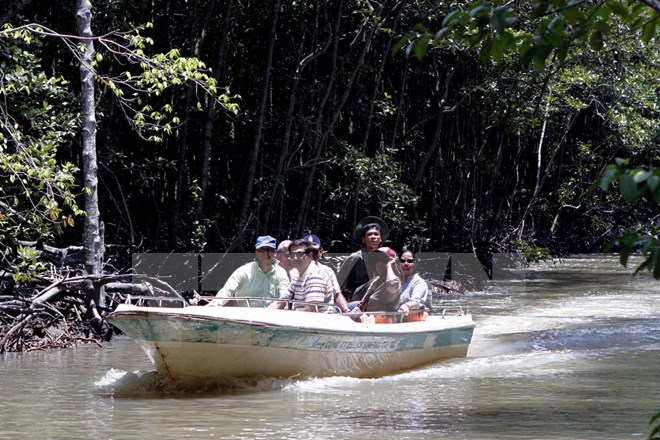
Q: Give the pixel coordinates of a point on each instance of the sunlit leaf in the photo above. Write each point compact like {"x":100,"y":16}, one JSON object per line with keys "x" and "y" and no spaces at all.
{"x":402,"y":42}
{"x":640,"y":176}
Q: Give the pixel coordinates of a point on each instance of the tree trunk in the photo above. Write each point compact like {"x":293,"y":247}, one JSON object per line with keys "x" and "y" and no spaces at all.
{"x":370,"y":113}
{"x":181,"y":188}
{"x":205,"y":175}
{"x":258,"y":129}
{"x":92,"y":240}
{"x":436,"y":142}
{"x":279,"y":188}
{"x":320,"y":144}
{"x":541,"y":176}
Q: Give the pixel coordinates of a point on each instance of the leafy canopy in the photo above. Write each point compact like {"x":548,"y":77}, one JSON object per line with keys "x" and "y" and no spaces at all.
{"x":536,"y":31}
{"x":38,"y":117}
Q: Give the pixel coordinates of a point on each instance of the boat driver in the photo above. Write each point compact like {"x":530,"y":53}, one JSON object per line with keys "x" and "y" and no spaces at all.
{"x":360,"y":266}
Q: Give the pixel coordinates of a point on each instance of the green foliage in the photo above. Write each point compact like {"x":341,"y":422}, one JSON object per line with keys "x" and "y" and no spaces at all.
{"x":564,"y":32}
{"x":534,"y":254}
{"x":147,"y":76}
{"x":655,"y":432}
{"x":418,"y":241}
{"x":467,"y":133}
{"x":535,"y":31}
{"x":648,"y":244}
{"x":634,"y":184}
{"x":124,"y":66}
{"x":382,"y":190}
{"x":150,"y":76}
{"x":27,"y":264}
{"x":37,"y":119}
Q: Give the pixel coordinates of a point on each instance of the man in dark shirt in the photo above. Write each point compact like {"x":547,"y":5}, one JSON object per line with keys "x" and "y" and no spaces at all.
{"x":360,"y":266}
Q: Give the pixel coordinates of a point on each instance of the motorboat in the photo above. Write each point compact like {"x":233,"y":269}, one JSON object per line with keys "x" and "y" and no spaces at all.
{"x":196,"y":343}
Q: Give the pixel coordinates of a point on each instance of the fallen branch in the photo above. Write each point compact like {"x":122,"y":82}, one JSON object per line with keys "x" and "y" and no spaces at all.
{"x":45,"y":319}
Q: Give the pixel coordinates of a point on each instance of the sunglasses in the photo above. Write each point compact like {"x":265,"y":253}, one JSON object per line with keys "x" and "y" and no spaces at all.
{"x":297,"y":255}
{"x":406,"y":260}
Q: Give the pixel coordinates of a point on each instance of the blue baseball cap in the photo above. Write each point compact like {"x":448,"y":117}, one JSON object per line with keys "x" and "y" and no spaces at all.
{"x":314,"y":239}
{"x":266,"y":241}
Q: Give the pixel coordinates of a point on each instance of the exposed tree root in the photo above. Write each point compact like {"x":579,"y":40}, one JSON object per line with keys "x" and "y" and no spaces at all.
{"x":69,"y":311}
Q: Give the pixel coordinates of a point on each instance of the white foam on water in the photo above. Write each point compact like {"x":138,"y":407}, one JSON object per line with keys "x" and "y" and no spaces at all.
{"x":323,"y":384}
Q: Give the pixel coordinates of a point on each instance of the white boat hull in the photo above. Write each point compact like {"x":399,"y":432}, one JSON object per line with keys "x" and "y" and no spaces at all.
{"x":195,"y":344}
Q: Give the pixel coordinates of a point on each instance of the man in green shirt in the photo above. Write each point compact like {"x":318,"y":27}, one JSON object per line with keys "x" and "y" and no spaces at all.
{"x":263,"y":277}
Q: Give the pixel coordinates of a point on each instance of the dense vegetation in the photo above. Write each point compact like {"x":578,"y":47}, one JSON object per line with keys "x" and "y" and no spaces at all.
{"x":322,"y":115}
{"x":456,"y":154}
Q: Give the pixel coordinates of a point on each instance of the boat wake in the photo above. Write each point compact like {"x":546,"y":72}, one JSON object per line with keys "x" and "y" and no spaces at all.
{"x":145,"y":384}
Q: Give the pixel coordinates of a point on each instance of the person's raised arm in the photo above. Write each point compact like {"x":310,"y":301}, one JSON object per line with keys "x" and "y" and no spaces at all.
{"x":391,"y":275}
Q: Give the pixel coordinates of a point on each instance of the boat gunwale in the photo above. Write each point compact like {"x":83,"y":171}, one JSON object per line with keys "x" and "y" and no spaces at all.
{"x":390,"y":329}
